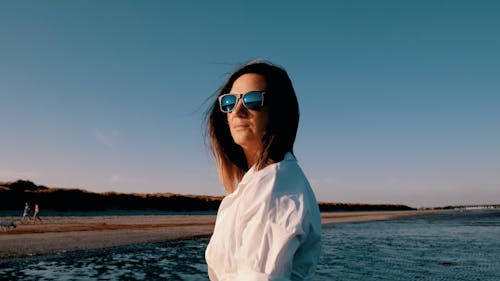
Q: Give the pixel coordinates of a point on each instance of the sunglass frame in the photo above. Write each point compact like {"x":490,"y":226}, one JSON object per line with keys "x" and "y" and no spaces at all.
{"x":242,"y":97}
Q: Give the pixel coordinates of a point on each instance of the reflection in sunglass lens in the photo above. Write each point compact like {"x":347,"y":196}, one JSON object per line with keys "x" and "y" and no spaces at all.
{"x":227,"y":102}
{"x":253,"y":100}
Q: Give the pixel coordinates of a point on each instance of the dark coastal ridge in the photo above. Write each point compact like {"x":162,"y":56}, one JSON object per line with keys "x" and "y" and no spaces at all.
{"x":13,"y":195}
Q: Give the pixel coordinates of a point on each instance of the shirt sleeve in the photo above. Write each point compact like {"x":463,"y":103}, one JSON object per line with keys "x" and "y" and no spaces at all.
{"x":270,"y":240}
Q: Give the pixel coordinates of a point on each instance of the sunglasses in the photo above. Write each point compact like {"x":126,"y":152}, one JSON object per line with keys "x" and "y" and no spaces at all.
{"x":253,"y":100}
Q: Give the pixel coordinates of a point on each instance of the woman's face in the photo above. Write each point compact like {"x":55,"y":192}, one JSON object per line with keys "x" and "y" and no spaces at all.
{"x":248,"y":126}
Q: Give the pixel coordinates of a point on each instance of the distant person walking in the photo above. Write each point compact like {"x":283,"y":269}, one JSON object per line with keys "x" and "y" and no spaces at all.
{"x":26,"y":213}
{"x":36,"y":215}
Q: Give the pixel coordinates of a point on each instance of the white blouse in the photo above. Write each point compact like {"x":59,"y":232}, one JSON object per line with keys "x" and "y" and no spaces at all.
{"x":269,"y":228}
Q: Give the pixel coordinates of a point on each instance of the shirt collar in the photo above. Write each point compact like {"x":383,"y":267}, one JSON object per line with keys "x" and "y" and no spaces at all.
{"x":288,"y":157}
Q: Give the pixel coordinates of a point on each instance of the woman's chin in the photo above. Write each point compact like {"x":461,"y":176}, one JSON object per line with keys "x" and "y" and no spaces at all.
{"x":245,"y":141}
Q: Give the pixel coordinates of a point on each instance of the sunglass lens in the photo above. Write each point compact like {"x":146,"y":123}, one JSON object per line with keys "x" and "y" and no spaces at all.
{"x":253,"y":100}
{"x":228,"y":102}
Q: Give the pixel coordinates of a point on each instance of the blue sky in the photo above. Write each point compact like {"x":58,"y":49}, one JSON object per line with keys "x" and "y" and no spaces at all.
{"x":399,"y":99}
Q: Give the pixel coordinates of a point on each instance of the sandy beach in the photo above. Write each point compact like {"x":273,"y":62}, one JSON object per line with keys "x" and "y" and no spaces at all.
{"x":71,"y":233}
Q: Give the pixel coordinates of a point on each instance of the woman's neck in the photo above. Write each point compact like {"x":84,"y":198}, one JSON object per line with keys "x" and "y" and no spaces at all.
{"x":252,"y":155}
{"x":252,"y":158}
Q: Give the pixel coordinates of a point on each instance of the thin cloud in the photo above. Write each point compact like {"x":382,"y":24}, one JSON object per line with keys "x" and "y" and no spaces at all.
{"x":109,"y":138}
{"x":116,"y":178}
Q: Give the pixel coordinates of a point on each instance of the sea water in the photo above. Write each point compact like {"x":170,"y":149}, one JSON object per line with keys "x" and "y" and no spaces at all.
{"x":441,"y":246}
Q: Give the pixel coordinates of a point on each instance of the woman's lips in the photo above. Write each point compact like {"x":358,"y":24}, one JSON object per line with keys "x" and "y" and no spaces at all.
{"x":240,"y":126}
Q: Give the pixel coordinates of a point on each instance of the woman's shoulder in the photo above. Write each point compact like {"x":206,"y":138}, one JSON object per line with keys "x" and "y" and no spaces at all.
{"x":279,"y":193}
{"x":281,"y":180}
{"x":288,"y":165}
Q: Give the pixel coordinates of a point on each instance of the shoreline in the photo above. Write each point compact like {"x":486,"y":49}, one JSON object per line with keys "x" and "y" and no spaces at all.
{"x":61,"y":234}
{"x":340,"y":217}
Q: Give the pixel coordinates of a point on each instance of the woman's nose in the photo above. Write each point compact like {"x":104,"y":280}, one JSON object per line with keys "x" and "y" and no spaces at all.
{"x":240,"y":109}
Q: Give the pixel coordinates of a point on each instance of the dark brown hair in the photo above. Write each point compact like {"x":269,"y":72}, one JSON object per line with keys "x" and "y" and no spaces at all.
{"x":281,"y":130}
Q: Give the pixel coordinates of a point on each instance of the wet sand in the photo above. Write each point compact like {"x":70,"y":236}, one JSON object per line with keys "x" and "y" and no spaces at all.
{"x":338,"y":217}
{"x":63,"y":234}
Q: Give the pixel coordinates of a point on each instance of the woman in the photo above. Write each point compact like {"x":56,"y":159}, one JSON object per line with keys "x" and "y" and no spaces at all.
{"x":268,"y":227}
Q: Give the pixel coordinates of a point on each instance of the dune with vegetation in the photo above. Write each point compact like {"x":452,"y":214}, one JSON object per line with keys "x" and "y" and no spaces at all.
{"x":13,"y":196}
